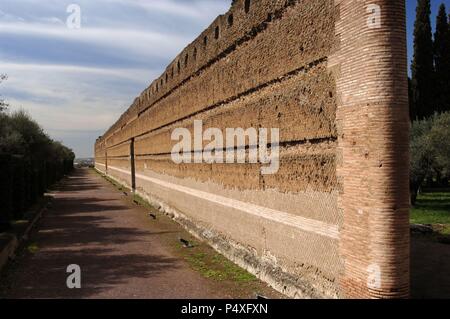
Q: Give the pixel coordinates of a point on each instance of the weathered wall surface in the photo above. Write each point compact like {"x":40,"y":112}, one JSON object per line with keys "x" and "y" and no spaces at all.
{"x":333,"y":222}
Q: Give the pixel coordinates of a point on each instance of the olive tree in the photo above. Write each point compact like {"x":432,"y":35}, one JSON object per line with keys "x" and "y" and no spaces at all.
{"x":430,"y":152}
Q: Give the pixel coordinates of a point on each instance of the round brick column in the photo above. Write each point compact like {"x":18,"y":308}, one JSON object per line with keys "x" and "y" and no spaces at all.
{"x":373,"y":128}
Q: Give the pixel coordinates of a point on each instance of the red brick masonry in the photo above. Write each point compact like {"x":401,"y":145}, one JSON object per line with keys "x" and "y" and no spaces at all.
{"x":373,"y":131}
{"x":332,"y":76}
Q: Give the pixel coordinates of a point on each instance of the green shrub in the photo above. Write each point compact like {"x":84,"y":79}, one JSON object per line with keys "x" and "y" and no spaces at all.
{"x":430,"y":153}
{"x":6,"y":194}
{"x":31,"y":163}
{"x":19,"y":187}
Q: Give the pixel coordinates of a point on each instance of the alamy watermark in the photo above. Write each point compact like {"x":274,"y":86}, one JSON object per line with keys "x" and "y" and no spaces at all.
{"x":74,"y":279}
{"x":374,"y":18}
{"x":73,"y":21}
{"x":228,"y":147}
{"x":374,"y":276}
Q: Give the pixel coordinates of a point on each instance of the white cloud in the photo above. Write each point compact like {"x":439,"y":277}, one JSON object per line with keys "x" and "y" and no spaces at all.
{"x":130,"y":74}
{"x":137,"y":42}
{"x":191,"y":9}
{"x":67,"y":97}
{"x":72,"y":116}
{"x":10,"y":17}
{"x":51,"y":20}
{"x":83,"y":92}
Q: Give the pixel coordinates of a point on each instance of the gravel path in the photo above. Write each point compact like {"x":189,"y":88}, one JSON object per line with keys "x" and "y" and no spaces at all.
{"x":91,"y":225}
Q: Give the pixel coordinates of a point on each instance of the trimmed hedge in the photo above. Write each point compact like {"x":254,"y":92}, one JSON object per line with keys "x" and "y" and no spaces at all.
{"x":23,"y":182}
{"x":6,"y":193}
{"x":30,"y":162}
{"x":18,"y":187}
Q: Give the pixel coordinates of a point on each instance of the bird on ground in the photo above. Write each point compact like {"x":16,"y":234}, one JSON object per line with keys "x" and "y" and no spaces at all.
{"x":186,"y":243}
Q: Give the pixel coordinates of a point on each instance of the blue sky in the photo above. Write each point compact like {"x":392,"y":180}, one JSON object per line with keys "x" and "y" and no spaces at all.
{"x":76,"y":83}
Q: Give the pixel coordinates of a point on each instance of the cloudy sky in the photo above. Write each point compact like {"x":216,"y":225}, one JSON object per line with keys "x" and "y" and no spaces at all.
{"x":77,"y":82}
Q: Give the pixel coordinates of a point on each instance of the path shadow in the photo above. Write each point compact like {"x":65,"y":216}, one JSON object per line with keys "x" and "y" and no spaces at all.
{"x":101,"y":269}
{"x":430,"y":268}
{"x":70,"y":231}
{"x":80,"y":205}
{"x":93,"y":231}
{"x":79,"y":180}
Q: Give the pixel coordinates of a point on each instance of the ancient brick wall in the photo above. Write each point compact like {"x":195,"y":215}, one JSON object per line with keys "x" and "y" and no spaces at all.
{"x":331,"y":75}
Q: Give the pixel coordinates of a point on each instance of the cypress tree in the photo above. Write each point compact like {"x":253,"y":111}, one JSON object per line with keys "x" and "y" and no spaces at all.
{"x":422,"y":66}
{"x":412,"y":109}
{"x":442,"y":61}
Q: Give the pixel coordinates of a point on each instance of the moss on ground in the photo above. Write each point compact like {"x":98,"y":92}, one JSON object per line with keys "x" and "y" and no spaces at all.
{"x":433,"y":208}
{"x":217,"y":267}
{"x":33,"y":248}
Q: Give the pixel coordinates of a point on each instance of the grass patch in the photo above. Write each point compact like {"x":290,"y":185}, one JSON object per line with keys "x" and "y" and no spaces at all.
{"x":141,"y":201}
{"x":19,"y":226}
{"x":215,"y":266}
{"x":433,"y":208}
{"x":33,"y":248}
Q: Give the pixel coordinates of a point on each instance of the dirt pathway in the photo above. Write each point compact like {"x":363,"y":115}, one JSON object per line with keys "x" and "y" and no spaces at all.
{"x":93,"y":225}
{"x":430,"y":266}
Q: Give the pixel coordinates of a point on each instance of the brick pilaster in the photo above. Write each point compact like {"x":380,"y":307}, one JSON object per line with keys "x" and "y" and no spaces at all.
{"x":373,"y":127}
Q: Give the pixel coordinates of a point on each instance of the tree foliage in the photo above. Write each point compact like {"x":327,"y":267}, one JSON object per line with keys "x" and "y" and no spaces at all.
{"x":439,"y":139}
{"x":30,"y":162}
{"x":429,"y":85}
{"x":442,"y":61}
{"x":422,"y":66}
{"x":430,"y":151}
